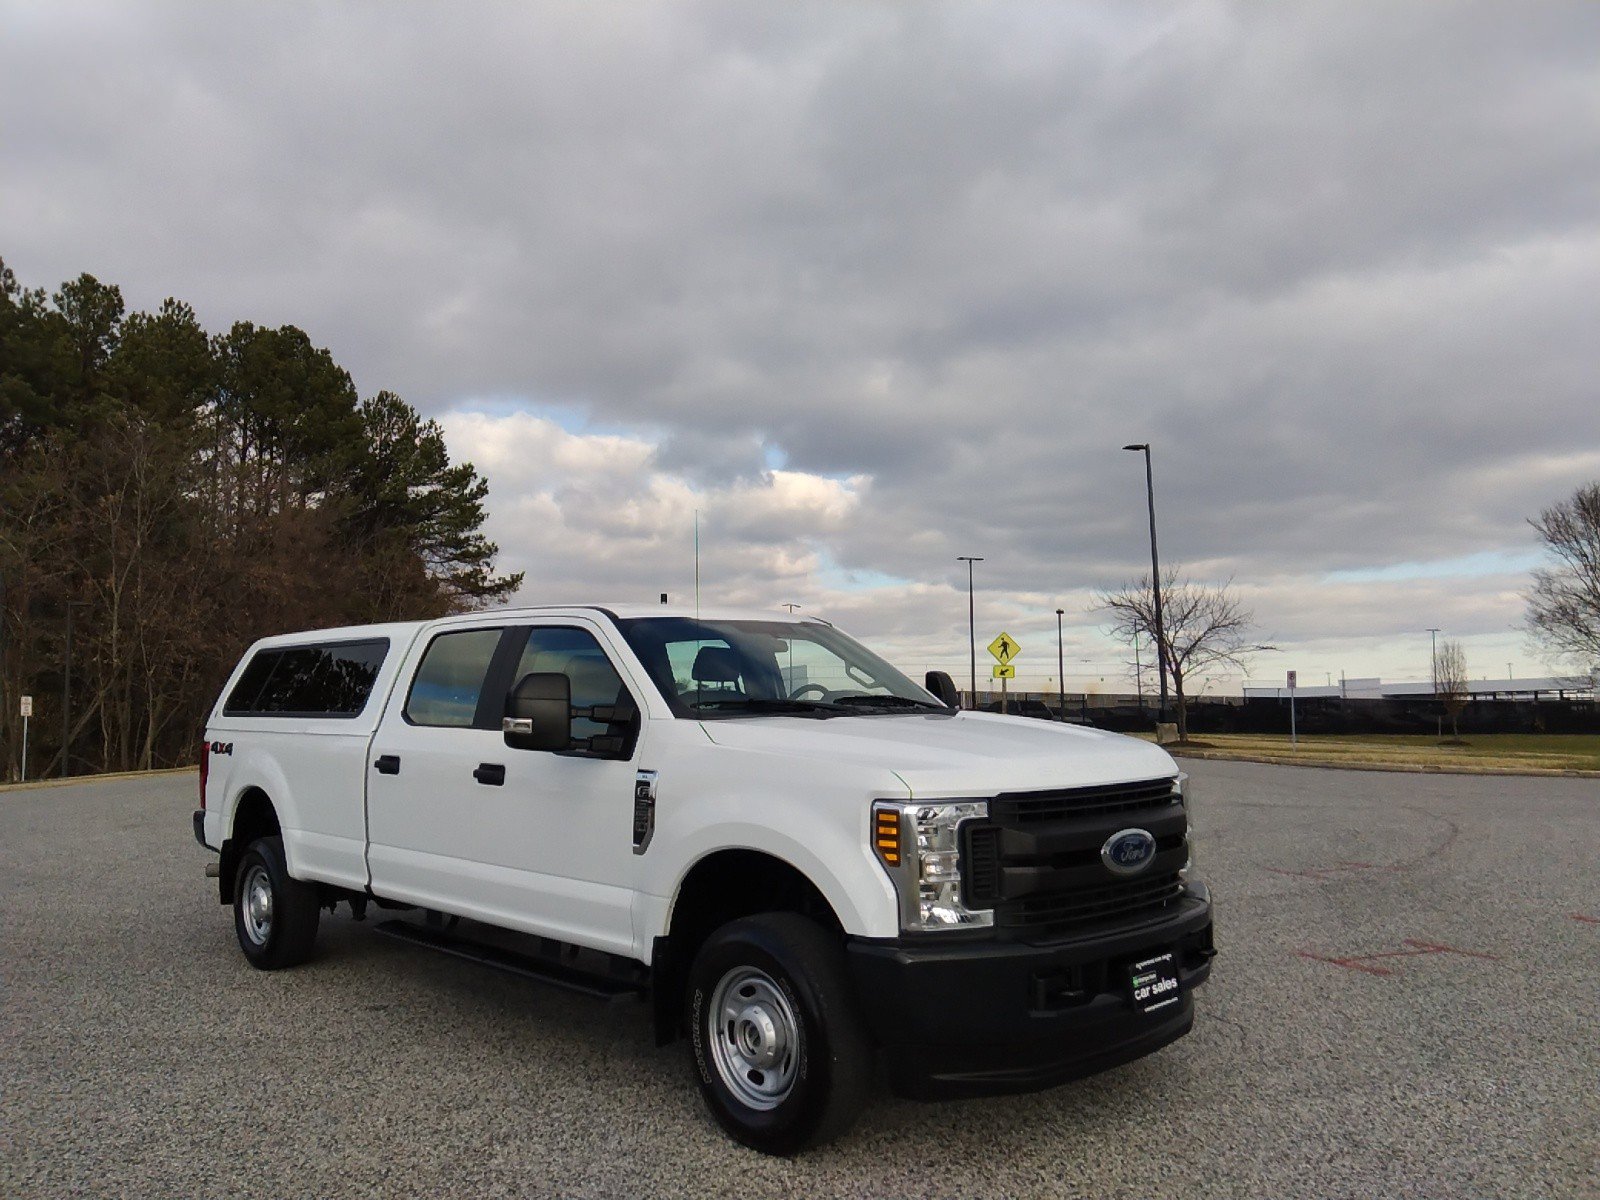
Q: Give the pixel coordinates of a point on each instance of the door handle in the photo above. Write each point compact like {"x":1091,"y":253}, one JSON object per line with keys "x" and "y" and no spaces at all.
{"x":388,"y":764}
{"x":494,"y":774}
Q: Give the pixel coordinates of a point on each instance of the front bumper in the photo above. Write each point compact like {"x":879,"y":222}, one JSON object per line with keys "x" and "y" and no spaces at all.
{"x":984,"y":1017}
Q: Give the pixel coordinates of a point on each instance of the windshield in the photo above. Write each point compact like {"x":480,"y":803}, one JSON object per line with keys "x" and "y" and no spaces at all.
{"x":768,"y":668}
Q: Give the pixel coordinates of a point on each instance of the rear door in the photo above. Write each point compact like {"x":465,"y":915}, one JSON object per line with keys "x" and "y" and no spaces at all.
{"x":528,"y":840}
{"x":419,"y":782}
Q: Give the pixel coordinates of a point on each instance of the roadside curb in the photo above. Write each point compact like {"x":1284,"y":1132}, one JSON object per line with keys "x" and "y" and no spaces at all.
{"x":40,"y":784}
{"x":1278,"y":760}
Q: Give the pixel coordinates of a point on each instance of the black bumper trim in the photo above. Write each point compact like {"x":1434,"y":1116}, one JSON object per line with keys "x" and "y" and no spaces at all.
{"x":987,"y":1017}
{"x":200,"y":828}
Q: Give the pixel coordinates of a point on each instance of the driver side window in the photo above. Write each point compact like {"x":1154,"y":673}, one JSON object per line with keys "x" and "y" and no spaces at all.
{"x":564,"y":650}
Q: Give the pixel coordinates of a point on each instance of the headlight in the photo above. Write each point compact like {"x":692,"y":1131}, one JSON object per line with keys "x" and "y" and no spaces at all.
{"x":1185,"y":789}
{"x":919,"y":845}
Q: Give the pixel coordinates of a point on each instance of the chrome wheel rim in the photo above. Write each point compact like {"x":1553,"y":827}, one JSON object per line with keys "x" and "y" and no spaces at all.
{"x":255,"y":892}
{"x":755,"y":1039}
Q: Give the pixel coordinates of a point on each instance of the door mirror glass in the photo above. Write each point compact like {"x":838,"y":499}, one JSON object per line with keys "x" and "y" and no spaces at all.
{"x":539,"y":713}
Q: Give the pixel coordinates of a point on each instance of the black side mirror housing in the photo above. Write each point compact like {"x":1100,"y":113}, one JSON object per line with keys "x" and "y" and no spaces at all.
{"x":944,"y":688}
{"x":539,"y":713}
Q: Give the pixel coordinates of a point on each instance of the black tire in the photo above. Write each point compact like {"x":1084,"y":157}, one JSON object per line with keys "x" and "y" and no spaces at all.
{"x":274,"y":915}
{"x":798,"y":1013}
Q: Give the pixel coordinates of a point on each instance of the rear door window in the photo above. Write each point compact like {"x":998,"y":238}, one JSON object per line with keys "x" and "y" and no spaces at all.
{"x":450,"y":678}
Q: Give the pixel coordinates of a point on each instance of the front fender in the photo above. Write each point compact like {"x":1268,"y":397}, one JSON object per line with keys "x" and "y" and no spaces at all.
{"x":811,"y":813}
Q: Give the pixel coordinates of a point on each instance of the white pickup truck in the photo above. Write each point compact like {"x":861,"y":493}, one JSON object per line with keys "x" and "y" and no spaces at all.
{"x":807,"y":862}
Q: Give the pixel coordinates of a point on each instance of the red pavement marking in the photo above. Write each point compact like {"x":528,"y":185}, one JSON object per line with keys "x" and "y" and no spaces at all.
{"x":1362,"y":962}
{"x":1587,"y":920}
{"x":1348,"y":963}
{"x":1441,"y":948}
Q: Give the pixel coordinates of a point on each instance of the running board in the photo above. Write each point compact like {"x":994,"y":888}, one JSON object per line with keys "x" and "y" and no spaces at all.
{"x":530,"y":966}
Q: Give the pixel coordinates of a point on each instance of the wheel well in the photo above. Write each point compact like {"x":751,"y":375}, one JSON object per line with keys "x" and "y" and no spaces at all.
{"x":253,"y":817}
{"x":723,"y":887}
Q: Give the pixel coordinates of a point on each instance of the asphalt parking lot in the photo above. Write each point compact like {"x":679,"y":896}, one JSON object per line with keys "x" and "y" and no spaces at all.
{"x":1407,"y":1004}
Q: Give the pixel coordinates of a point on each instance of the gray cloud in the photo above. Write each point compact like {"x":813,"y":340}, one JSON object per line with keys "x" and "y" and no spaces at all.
{"x":1340,"y":264}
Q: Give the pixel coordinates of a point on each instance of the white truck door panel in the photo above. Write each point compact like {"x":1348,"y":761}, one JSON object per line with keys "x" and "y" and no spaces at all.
{"x":325,"y":839}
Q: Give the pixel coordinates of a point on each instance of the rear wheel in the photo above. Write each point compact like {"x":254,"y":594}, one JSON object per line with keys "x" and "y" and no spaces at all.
{"x":274,"y":915}
{"x":779,"y":1050}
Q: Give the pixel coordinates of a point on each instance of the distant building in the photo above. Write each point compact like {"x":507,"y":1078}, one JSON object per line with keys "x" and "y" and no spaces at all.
{"x":1568,"y":687}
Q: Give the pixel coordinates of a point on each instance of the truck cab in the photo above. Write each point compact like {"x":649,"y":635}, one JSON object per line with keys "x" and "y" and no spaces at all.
{"x":804,"y":860}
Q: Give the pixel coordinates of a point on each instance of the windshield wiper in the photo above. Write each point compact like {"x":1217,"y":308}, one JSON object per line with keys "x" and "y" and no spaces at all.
{"x":889,"y":702}
{"x":819,"y":708}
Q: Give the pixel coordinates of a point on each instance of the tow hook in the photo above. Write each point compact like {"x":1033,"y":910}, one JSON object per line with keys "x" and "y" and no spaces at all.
{"x":213,"y":870}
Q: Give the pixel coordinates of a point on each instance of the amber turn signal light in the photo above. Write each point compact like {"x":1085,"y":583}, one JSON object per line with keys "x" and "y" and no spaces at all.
{"x":886,"y":835}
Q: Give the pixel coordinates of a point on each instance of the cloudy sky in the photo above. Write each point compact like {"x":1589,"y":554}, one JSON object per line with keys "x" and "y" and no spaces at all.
{"x":871,"y":286}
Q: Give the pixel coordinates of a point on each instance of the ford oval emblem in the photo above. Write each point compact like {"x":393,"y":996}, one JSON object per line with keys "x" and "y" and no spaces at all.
{"x":1128,"y":851}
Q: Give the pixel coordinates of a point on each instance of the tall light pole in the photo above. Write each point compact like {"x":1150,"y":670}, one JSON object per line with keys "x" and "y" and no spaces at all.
{"x":1061,"y":667}
{"x":1433,"y":660}
{"x":1155,"y":576}
{"x":972,"y":628}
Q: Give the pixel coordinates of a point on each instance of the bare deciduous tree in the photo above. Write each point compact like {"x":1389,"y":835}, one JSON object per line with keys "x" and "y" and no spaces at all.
{"x":1450,"y":680}
{"x":1203,"y":626}
{"x":1564,"y":602}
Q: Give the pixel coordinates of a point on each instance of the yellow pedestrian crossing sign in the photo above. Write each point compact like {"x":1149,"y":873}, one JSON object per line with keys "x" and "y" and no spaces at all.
{"x":1004,"y":671}
{"x":1004,"y":648}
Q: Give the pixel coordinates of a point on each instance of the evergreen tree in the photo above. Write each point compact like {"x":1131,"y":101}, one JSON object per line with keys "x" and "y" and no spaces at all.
{"x":186,"y":494}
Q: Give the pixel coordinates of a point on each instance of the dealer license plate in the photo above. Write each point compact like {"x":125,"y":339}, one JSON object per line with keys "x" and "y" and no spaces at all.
{"x":1154,"y":983}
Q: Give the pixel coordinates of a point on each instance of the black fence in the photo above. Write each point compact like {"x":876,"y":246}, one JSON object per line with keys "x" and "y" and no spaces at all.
{"x":1313,"y":714}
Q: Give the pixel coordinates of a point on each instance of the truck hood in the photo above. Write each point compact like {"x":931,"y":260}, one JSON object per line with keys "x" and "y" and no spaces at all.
{"x":940,"y":755}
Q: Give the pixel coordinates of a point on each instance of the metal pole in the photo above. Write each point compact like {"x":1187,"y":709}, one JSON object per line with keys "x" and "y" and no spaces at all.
{"x":1155,"y":576}
{"x":1433,"y":665}
{"x":66,"y":699}
{"x":1061,"y":669}
{"x":972,"y":629}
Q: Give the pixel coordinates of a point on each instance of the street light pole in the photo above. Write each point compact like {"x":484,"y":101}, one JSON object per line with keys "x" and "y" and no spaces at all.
{"x":972,"y":629}
{"x":1155,"y":576}
{"x":1061,"y":668}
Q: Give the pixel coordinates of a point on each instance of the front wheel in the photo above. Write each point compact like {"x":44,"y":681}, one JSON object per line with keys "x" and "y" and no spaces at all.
{"x":274,"y":914}
{"x":779,"y":1049}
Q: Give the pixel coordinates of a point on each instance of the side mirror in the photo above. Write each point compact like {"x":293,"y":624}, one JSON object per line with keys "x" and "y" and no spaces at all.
{"x":944,"y":688}
{"x":539,"y":713}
